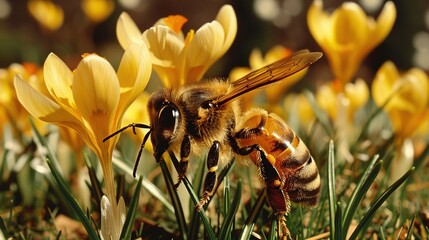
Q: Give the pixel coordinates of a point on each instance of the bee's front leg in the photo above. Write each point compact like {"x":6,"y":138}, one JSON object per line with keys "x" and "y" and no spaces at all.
{"x":211,"y":177}
{"x":182,"y":166}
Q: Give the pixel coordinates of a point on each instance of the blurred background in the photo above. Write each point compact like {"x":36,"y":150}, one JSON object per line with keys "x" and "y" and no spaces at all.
{"x":85,"y":26}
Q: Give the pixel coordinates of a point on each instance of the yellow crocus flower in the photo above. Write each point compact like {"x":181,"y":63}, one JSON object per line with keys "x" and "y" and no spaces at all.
{"x":92,"y":100}
{"x":407,"y":97}
{"x":48,"y":14}
{"x":11,"y":109}
{"x":408,"y":107}
{"x":341,"y":108}
{"x":178,"y":59}
{"x":355,"y":95}
{"x":348,"y":34}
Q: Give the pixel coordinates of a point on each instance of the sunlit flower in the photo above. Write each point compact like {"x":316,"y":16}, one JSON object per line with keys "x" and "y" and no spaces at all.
{"x":348,"y":34}
{"x":407,"y":97}
{"x":256,"y":61}
{"x":97,"y":10}
{"x":48,"y":14}
{"x":408,"y":106}
{"x":355,"y":96}
{"x":11,"y":109}
{"x":180,"y":59}
{"x":91,"y":99}
{"x":341,"y":108}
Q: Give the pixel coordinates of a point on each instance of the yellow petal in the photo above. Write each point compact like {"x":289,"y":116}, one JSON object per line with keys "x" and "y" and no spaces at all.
{"x":58,"y":79}
{"x":127,"y":31}
{"x":349,"y":26}
{"x":383,"y":83}
{"x":256,"y":60}
{"x":385,"y":22}
{"x":39,"y":105}
{"x":327,"y":99}
{"x":95,"y":88}
{"x":318,"y":23}
{"x":164,"y":45}
{"x":357,"y":93}
{"x":206,"y":44}
{"x":226,"y":17}
{"x":133,"y":74}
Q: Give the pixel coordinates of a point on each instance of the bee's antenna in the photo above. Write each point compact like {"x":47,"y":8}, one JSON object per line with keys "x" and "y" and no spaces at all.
{"x":146,"y":137}
{"x":133,"y":125}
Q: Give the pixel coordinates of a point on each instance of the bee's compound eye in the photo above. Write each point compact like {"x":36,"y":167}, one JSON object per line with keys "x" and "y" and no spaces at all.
{"x":168,"y":119}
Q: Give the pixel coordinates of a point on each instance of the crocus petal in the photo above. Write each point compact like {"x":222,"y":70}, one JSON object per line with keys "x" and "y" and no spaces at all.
{"x":39,"y":105}
{"x":133,"y":74}
{"x":318,"y":22}
{"x":348,"y":35}
{"x":349,"y":26}
{"x":95,"y":88}
{"x":327,"y":99}
{"x":58,"y":79}
{"x":164,"y":45}
{"x":357,"y":93}
{"x":384,"y":79}
{"x":385,"y":22}
{"x":127,"y":30}
{"x":226,"y":17}
{"x":205,"y":45}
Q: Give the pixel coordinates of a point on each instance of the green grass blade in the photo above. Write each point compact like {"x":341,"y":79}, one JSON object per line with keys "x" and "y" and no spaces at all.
{"x":366,"y":125}
{"x":380,"y":200}
{"x":4,"y":233}
{"x":338,"y":216}
{"x":331,"y":188}
{"x":208,"y":228}
{"x":95,"y":187}
{"x":146,"y":184}
{"x":132,"y":210}
{"x":92,"y":234}
{"x":225,"y":230}
{"x":41,"y":142}
{"x":358,"y":194}
{"x":226,"y":203}
{"x":273,"y":230}
{"x":178,"y":210}
{"x":253,"y":215}
{"x":195,"y":223}
{"x":410,"y":229}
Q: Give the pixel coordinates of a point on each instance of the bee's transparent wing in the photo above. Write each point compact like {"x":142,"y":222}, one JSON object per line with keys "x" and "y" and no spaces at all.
{"x":270,"y":74}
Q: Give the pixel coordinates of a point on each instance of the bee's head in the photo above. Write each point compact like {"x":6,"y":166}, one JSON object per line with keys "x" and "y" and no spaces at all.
{"x":164,"y":120}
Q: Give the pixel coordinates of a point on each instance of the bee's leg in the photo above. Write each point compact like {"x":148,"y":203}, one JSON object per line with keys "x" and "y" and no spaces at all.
{"x":276,"y":196}
{"x":282,"y":230}
{"x":182,"y":166}
{"x":211,"y":178}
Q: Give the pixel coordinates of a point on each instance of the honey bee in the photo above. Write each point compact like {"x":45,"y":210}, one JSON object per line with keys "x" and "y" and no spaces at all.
{"x":206,"y":115}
